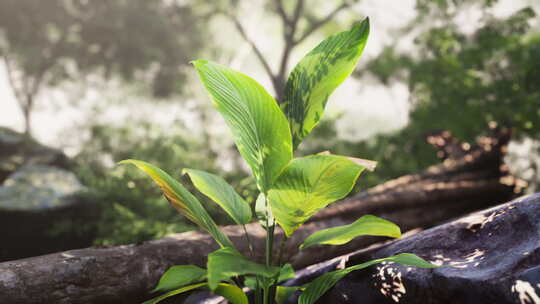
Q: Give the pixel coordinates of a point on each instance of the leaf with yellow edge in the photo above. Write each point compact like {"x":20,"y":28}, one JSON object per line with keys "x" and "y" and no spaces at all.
{"x":182,"y":200}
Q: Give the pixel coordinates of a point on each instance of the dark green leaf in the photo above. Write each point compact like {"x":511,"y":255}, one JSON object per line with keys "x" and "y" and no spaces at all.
{"x":226,"y":263}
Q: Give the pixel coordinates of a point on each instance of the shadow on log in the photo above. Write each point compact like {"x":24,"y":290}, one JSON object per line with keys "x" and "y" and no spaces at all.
{"x":469,"y":178}
{"x":488,"y":257}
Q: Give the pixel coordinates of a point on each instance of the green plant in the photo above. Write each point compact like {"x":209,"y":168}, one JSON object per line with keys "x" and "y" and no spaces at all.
{"x":291,"y":189}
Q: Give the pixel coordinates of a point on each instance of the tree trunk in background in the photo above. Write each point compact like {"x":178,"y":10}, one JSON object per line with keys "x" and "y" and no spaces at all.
{"x":470,"y":178}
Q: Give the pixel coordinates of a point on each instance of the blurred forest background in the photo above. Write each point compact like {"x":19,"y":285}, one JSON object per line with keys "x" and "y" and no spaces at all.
{"x":110,"y":80}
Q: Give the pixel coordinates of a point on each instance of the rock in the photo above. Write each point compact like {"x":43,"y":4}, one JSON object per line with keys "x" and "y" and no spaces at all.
{"x":42,"y":211}
{"x":492,"y":256}
{"x":38,"y":188}
{"x":16,"y":150}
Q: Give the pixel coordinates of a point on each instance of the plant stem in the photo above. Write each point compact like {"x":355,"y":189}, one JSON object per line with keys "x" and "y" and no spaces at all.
{"x":250,"y":245}
{"x":257,"y":291}
{"x":281,"y":249}
{"x":268,"y":250}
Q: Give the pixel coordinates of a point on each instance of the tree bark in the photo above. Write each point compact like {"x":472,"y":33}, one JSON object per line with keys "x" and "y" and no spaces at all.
{"x":470,"y":178}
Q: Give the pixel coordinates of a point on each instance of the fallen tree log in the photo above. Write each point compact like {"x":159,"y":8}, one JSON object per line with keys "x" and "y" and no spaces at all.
{"x":470,"y":178}
{"x":488,"y":257}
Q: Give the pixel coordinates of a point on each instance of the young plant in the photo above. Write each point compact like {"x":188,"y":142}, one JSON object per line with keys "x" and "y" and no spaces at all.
{"x":291,"y":189}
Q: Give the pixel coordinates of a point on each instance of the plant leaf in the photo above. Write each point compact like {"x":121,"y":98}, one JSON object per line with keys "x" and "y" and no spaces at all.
{"x":317,"y":75}
{"x":262,"y":212}
{"x":230,"y":292}
{"x":217,"y":189}
{"x":286,"y":273}
{"x":179,"y":276}
{"x":322,"y":284}
{"x":259,"y":127}
{"x":226,"y":263}
{"x":366,"y":225}
{"x":175,"y":292}
{"x":182,"y":200}
{"x":309,"y":184}
{"x":284,"y":292}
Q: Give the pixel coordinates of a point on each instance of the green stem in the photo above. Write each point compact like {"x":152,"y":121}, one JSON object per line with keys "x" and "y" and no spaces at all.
{"x":268,"y":250}
{"x":281,"y":249}
{"x":257,"y":291}
{"x":250,"y":245}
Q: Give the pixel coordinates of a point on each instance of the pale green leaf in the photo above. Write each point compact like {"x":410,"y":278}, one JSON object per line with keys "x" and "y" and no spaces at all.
{"x":179,"y":276}
{"x":217,"y":189}
{"x":258,"y":125}
{"x":182,"y":200}
{"x":366,"y":225}
{"x":322,"y":284}
{"x":317,"y":75}
{"x":232,"y":293}
{"x":309,"y":184}
{"x":263,"y":214}
{"x":226,"y":263}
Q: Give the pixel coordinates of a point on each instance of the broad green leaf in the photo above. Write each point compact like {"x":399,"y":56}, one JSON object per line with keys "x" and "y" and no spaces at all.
{"x":258,"y":125}
{"x":182,"y":200}
{"x":232,"y":293}
{"x":284,"y":292}
{"x":226,"y":263}
{"x":322,"y":284}
{"x":309,"y":184}
{"x":179,"y":276}
{"x":262,"y":212}
{"x":222,"y":194}
{"x":366,"y":225}
{"x":317,"y":75}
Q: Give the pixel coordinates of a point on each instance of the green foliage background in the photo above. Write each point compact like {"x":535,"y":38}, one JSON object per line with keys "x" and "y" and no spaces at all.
{"x":133,"y":209}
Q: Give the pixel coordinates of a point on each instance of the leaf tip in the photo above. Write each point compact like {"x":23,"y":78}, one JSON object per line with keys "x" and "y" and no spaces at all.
{"x":125,"y":162}
{"x":362,"y":26}
{"x":198,"y":62}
